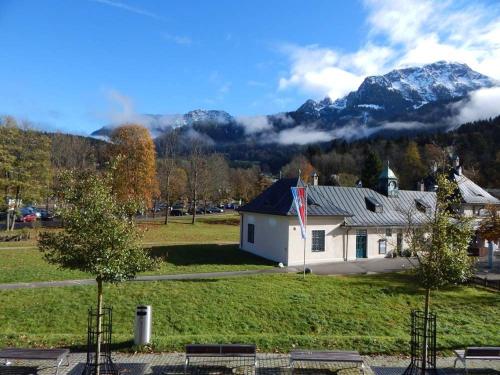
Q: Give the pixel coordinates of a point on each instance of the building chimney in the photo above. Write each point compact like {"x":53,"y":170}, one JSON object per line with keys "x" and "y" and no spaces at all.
{"x":315,"y":179}
{"x":421,"y":185}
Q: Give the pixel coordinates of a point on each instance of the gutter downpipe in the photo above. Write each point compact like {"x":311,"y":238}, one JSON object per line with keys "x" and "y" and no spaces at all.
{"x":346,"y":243}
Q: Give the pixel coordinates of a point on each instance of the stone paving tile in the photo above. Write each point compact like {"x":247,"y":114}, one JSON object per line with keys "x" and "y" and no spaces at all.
{"x":268,"y":364}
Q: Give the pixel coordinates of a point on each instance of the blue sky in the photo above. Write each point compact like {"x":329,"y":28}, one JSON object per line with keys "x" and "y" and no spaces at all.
{"x":77,"y":65}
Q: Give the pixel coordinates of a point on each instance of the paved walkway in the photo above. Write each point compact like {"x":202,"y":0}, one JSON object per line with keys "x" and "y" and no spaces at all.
{"x":366,"y":266}
{"x":268,"y":364}
{"x":357,"y":267}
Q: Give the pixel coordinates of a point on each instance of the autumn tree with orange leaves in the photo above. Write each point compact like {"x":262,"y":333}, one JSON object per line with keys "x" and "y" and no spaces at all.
{"x":134,"y":171}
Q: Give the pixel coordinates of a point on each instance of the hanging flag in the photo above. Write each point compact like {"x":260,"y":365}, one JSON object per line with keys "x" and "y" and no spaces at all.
{"x":300,"y":200}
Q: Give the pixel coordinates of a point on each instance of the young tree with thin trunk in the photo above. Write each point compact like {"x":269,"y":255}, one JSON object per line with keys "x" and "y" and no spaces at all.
{"x":98,"y":237}
{"x":441,"y":247}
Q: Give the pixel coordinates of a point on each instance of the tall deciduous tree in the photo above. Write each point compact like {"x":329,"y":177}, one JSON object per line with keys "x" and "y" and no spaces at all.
{"x":98,"y":237}
{"x":167,"y":166}
{"x":414,"y":168}
{"x":370,"y":172}
{"x":299,"y":164}
{"x":24,"y":165}
{"x":219,"y":186}
{"x":196,"y":169}
{"x":244,"y":183}
{"x":134,"y":178}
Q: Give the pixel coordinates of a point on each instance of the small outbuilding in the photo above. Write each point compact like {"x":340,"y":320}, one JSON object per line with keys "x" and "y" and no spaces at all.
{"x":343,"y":223}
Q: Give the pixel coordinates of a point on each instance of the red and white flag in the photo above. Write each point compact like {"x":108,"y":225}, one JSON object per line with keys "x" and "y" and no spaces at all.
{"x":300,"y":200}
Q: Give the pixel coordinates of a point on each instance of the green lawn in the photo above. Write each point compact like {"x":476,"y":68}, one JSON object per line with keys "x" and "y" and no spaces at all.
{"x":207,"y":246}
{"x":277,"y":312}
{"x":219,"y":228}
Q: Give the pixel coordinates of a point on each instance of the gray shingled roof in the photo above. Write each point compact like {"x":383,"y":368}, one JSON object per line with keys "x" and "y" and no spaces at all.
{"x":278,"y":200}
{"x":355,"y":204}
{"x":473,"y":193}
{"x":356,"y":201}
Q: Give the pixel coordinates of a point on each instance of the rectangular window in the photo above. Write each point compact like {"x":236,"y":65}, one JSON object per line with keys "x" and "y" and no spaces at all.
{"x":250,"y":233}
{"x":382,"y":246}
{"x":388,"y":232}
{"x":318,"y":240}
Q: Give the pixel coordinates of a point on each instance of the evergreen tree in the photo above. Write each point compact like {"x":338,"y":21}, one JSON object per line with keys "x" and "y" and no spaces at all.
{"x":372,"y":167}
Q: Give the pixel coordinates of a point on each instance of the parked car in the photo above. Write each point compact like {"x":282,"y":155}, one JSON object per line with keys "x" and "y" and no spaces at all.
{"x":28,"y":218}
{"x":216,"y":210}
{"x":46,"y":215}
{"x":177,"y":212}
{"x":199,"y":211}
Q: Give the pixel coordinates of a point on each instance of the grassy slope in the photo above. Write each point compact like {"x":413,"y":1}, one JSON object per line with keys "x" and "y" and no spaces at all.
{"x":205,"y":247}
{"x":278,"y":312}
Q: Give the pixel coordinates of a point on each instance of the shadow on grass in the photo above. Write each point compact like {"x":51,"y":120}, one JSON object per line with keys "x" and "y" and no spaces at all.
{"x":203,"y":254}
{"x":117,"y":346}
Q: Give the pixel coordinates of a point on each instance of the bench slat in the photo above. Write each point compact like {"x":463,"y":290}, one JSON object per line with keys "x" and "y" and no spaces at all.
{"x":326,"y":356}
{"x":34,"y":354}
{"x":220,"y":350}
{"x":482,"y":352}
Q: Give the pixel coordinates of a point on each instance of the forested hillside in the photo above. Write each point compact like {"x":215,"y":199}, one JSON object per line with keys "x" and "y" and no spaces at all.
{"x":477,"y":145}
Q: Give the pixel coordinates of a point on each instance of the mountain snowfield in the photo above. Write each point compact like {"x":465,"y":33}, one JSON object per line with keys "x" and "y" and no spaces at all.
{"x":414,"y":99}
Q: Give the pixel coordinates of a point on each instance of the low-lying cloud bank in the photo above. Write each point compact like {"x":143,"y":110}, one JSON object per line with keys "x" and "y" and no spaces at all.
{"x":282,"y":129}
{"x":481,"y":104}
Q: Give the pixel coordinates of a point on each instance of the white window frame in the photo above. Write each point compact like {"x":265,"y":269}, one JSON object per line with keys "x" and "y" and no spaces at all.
{"x":380,"y":242}
{"x":253,"y":233}
{"x":324,"y":241}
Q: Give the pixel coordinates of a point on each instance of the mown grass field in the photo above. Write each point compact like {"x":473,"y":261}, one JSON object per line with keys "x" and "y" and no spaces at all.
{"x":277,"y":312}
{"x":208,"y":246}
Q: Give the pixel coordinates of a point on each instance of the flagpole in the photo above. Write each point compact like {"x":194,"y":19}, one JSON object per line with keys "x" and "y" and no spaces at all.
{"x":305,"y":229}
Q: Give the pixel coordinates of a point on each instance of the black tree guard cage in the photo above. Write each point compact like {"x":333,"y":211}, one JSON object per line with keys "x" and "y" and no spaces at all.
{"x":421,"y":355}
{"x":105,"y":363}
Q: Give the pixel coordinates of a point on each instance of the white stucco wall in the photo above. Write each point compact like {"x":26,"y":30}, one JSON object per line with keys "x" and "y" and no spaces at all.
{"x":333,"y":240}
{"x":270,"y":236}
{"x":278,"y":238}
{"x":374,"y":235}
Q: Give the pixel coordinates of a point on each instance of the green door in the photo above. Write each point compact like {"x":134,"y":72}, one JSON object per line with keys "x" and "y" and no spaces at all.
{"x":361,"y":244}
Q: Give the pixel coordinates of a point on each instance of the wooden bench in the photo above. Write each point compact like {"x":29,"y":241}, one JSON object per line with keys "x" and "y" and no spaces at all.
{"x":475,"y":353}
{"x":56,"y":355}
{"x":326,"y":356}
{"x":220,"y":351}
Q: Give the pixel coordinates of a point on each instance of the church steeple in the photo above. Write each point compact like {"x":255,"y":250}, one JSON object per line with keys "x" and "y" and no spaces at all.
{"x":388,"y":182}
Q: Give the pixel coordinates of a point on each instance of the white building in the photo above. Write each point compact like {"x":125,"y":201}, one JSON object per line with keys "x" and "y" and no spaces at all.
{"x":343,"y":223}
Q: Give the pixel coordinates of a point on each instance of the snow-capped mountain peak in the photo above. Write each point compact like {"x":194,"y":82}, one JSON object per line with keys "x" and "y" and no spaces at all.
{"x":407,"y":89}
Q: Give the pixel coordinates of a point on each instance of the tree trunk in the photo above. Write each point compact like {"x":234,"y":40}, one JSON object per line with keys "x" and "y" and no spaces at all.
{"x":167,"y":196}
{"x":98,"y":326}
{"x":15,"y":208}
{"x":425,"y":341}
{"x":154,"y":208}
{"x":194,"y":208}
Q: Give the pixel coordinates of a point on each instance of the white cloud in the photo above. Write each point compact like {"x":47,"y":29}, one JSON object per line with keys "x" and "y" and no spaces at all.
{"x":481,"y":104}
{"x":177,"y":39}
{"x":401,"y":33}
{"x":301,"y":135}
{"x":254,"y":124}
{"x":128,"y":8}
